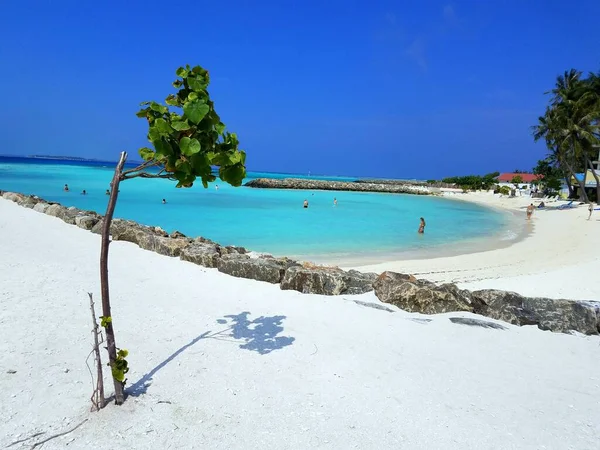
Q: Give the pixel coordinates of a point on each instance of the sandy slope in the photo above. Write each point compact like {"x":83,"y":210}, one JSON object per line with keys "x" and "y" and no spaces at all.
{"x":295,"y":371}
{"x":559,"y":259}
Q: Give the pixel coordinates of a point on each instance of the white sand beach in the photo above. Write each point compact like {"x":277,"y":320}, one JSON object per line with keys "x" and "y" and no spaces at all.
{"x":560,"y":258}
{"x":225,"y":363}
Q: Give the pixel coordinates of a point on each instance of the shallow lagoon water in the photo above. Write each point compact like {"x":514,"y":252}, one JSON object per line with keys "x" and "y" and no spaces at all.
{"x":362,"y":226}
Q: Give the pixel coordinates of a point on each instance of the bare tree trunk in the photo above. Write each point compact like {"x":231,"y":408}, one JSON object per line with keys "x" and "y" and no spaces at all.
{"x":98,"y":394}
{"x":582,"y":194}
{"x":110,"y":334}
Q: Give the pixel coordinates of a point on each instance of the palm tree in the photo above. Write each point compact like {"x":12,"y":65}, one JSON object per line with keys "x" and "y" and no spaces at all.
{"x":570,"y":125}
{"x":558,"y":155}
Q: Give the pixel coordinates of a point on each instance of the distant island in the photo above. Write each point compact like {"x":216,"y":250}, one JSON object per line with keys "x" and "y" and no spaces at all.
{"x":76,"y":158}
{"x":64,"y":158}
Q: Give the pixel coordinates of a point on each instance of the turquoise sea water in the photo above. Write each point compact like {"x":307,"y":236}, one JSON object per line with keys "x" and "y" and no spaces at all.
{"x":362,"y":225}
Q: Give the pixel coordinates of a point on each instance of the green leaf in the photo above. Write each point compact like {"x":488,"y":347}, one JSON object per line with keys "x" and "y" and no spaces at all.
{"x":145,"y":103}
{"x":163,"y":148}
{"x":104,"y":321}
{"x":163,"y":127}
{"x":233,"y":175}
{"x":177,"y":84}
{"x":122,"y":353}
{"x":189,"y":146}
{"x":173,"y":100}
{"x":142,"y":112}
{"x":195,"y":110}
{"x":197,"y":84}
{"x":220,"y":127}
{"x":181,"y":125}
{"x":192,"y":96}
{"x":159,"y":108}
{"x":146,"y":153}
{"x":181,"y":72}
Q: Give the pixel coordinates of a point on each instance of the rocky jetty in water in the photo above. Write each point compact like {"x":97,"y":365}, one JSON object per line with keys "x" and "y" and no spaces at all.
{"x":404,"y":291}
{"x":356,"y":186}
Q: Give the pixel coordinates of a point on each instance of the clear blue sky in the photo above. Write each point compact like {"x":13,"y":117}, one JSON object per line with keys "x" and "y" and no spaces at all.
{"x":397,"y":89}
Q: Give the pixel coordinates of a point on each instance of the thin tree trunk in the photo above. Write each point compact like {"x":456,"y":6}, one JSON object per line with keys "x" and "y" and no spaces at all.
{"x":98,"y":394}
{"x":110,"y":334}
{"x":583,"y":194}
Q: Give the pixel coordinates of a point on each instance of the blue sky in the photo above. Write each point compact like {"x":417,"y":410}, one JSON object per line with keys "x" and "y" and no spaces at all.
{"x":394,"y":89}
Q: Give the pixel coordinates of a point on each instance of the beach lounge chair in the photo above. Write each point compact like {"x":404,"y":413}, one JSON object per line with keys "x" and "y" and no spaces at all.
{"x":566,"y":205}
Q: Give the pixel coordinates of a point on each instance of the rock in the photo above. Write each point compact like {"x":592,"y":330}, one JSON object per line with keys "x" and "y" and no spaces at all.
{"x":13,"y":196}
{"x":421,"y":296}
{"x":398,"y":187}
{"x":477,"y":323}
{"x":160,"y":232}
{"x":124,"y":230}
{"x":86,"y":222}
{"x":242,"y":266}
{"x":326,"y":280}
{"x":163,"y":245}
{"x":176,"y":234}
{"x":548,"y":314}
{"x":203,"y":254}
{"x":29,"y":201}
{"x":55,"y":210}
{"x":41,"y":207}
{"x":232,"y":250}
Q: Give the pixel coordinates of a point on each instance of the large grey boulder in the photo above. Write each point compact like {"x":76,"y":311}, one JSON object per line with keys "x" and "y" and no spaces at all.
{"x":125,"y":230}
{"x":203,"y":254}
{"x":163,"y":245}
{"x":13,"y":196}
{"x":547,"y":314}
{"x":326,"y":280}
{"x":271,"y":270}
{"x":29,"y":201}
{"x":421,"y":296}
{"x":86,"y":222}
{"x":41,"y":207}
{"x":56,"y":210}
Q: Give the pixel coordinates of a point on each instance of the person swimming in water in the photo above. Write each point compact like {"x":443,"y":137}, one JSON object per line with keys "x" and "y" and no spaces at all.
{"x":108,"y":192}
{"x":305,"y":203}
{"x":334,"y":201}
{"x":164,"y":201}
{"x":83,"y":192}
{"x":422,"y":226}
{"x":66,"y":188}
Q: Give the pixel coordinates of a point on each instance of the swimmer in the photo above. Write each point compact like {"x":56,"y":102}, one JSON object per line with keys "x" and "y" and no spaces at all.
{"x":305,"y":203}
{"x":66,"y":188}
{"x":422,"y":226}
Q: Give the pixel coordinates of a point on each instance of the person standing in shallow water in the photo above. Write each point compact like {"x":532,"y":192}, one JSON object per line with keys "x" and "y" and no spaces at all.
{"x":530,"y":209}
{"x":305,"y":203}
{"x":334,"y":201}
{"x":422,"y":226}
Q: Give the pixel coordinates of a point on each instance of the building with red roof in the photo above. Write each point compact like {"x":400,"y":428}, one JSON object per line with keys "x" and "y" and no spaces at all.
{"x":527,"y":178}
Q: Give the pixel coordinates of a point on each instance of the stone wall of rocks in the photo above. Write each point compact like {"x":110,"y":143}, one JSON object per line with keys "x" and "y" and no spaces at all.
{"x":235,"y":261}
{"x":410,"y":294}
{"x":404,"y":291}
{"x":300,"y":183}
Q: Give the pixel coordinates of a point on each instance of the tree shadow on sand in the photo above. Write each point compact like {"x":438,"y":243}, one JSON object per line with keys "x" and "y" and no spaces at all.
{"x":259,"y":335}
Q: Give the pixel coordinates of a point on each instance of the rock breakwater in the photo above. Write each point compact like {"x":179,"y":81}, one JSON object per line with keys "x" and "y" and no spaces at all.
{"x":354,"y":186}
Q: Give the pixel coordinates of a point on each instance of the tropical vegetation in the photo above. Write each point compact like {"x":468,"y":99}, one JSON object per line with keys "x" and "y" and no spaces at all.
{"x":570,"y":128}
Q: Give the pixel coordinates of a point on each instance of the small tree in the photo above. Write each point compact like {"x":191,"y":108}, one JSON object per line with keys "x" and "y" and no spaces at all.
{"x":517,"y":180}
{"x":187,"y":143}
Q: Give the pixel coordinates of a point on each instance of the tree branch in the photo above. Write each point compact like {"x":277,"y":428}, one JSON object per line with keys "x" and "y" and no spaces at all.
{"x":143,"y":166}
{"x":147,"y":175}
